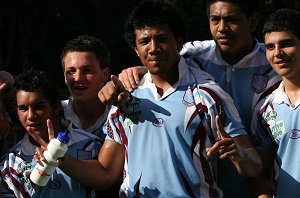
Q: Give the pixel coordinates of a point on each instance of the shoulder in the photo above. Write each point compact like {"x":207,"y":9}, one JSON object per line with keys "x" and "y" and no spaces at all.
{"x":65,"y":103}
{"x":197,"y":46}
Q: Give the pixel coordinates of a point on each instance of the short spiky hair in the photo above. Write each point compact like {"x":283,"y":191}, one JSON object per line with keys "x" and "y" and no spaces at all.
{"x":283,"y":20}
{"x":86,"y":43}
{"x":248,"y":7}
{"x":34,"y":80}
{"x":153,"y":13}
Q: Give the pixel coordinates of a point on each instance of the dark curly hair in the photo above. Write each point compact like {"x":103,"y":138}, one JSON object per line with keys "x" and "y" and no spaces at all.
{"x":153,"y":13}
{"x":86,"y":43}
{"x":34,"y":80}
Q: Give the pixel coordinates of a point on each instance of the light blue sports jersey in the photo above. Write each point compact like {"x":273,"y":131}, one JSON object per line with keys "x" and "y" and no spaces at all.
{"x":96,"y":128}
{"x":278,"y":128}
{"x":247,"y":82}
{"x":18,"y":163}
{"x":165,"y":137}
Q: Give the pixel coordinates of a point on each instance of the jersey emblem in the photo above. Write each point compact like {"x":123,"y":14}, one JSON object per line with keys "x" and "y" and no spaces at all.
{"x":278,"y":130}
{"x":84,"y":155}
{"x":295,"y":134}
{"x":158,"y":122}
{"x":271,"y":115}
{"x":259,"y":83}
{"x":23,"y":166}
{"x":26,"y":183}
{"x":54,"y":184}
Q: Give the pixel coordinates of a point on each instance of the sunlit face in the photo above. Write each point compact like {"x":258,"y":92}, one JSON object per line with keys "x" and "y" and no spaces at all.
{"x":84,"y":76}
{"x":158,"y":49}
{"x":230,"y":28}
{"x":34,"y":110}
{"x":283,"y":53}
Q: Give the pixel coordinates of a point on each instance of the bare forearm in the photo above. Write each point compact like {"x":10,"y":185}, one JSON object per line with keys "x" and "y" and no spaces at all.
{"x":88,"y":172}
{"x":101,"y":173}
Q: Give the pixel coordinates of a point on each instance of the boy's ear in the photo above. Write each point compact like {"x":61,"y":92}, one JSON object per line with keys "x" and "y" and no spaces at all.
{"x":106,"y":74}
{"x":136,"y":51}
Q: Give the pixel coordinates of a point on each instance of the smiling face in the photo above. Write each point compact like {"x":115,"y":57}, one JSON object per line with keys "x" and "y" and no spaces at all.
{"x":283,"y":53}
{"x":84,"y":75}
{"x":231,"y":29}
{"x":157,"y":49}
{"x":34,"y":110}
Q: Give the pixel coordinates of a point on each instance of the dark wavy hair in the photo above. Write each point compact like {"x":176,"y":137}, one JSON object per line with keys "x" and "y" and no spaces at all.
{"x":154,"y":13}
{"x":85,"y":43}
{"x":35,"y":80}
{"x":283,"y":20}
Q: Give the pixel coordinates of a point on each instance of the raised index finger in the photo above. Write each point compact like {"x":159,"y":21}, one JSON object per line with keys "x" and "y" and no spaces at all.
{"x":50,"y":129}
{"x":36,"y":137}
{"x":220,"y":128}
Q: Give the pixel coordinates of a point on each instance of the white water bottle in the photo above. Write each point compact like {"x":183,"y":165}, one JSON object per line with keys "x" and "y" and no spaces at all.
{"x":43,"y":170}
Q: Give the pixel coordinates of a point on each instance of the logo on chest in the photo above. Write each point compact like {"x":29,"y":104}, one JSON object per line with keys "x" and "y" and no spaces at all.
{"x":278,"y":130}
{"x":295,"y":134}
{"x":84,"y":155}
{"x":158,"y":122}
{"x":259,"y":83}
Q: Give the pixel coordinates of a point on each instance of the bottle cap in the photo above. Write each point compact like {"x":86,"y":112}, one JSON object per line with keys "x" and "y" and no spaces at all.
{"x":63,"y":137}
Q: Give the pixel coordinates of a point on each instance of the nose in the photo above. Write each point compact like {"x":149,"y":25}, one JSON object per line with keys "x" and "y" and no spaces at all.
{"x":153,"y":46}
{"x":31,"y":114}
{"x":77,"y":76}
{"x":222,"y":26}
{"x":278,"y":52}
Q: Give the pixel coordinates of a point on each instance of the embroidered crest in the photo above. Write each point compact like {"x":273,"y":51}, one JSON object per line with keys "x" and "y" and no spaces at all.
{"x":259,"y":83}
{"x":23,"y":166}
{"x":295,"y":134}
{"x":54,"y":184}
{"x":158,"y":122}
{"x":84,"y":155}
{"x":271,"y":115}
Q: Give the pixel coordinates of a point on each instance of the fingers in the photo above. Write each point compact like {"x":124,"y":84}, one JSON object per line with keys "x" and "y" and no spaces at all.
{"x":221,"y":146}
{"x":2,"y":86}
{"x":36,"y":137}
{"x":220,"y":128}
{"x":129,"y":78}
{"x":50,"y":129}
{"x":113,"y":91}
{"x":38,"y":156}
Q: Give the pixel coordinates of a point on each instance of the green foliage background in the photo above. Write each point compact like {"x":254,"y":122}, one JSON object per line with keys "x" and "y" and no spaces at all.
{"x":33,"y":32}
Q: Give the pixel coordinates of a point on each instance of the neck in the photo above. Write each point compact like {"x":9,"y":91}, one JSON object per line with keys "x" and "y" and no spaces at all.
{"x":292,"y":89}
{"x":233,"y":58}
{"x":164,"y":81}
{"x":88,"y":112}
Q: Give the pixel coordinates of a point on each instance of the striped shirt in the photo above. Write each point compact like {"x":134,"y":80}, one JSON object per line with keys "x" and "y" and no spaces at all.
{"x":165,"y":137}
{"x":18,"y":163}
{"x":278,"y":130}
{"x":248,"y":81}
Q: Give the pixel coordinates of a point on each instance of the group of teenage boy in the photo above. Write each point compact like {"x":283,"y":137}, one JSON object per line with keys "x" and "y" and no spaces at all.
{"x":213,"y":118}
